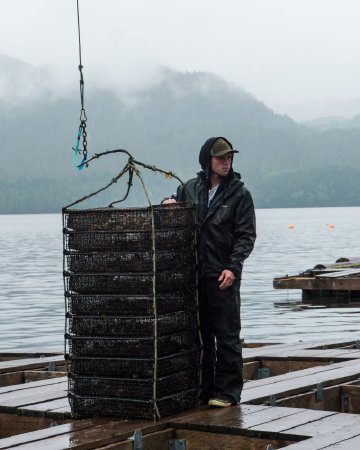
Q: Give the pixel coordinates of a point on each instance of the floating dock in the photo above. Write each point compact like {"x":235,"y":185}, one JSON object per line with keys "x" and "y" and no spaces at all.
{"x":327,"y":283}
{"x":303,"y":395}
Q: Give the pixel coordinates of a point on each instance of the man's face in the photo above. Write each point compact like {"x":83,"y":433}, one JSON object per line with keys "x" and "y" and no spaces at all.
{"x":221,"y":164}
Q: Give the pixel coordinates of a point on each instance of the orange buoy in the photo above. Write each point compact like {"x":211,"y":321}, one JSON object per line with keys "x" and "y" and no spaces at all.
{"x":291,"y":226}
{"x":331,"y":225}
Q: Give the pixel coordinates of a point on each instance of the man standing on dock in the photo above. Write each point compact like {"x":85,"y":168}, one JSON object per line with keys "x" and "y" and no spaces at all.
{"x":225,"y":220}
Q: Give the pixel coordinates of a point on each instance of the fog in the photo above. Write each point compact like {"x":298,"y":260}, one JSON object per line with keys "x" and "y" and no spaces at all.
{"x":291,"y":55}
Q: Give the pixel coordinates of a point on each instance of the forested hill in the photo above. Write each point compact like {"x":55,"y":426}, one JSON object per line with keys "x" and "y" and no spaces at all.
{"x":284,"y":164}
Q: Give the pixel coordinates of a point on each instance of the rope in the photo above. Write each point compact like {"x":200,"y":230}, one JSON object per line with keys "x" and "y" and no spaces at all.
{"x":83,"y":118}
{"x":153,"y":240}
{"x":129,"y":166}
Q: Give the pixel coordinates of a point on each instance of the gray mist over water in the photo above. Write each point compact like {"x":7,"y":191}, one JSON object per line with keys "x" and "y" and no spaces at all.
{"x":31,"y":295}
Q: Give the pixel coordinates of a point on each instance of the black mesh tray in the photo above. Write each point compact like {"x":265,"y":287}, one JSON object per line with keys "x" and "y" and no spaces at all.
{"x":131,"y":367}
{"x":97,"y":262}
{"x":132,"y":347}
{"x":128,"y":241}
{"x":129,"y":326}
{"x":86,"y":406}
{"x":130,"y":219}
{"x":132,"y":388}
{"x":130,"y":283}
{"x":130,"y":305}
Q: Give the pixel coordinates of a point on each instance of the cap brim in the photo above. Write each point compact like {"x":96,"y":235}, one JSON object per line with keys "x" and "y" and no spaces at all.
{"x":225,"y":152}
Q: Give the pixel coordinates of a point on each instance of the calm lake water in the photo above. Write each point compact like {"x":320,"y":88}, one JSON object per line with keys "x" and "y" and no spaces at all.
{"x":31,"y":285}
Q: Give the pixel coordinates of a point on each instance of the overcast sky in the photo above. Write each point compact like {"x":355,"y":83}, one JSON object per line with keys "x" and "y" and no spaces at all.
{"x":285,"y":52}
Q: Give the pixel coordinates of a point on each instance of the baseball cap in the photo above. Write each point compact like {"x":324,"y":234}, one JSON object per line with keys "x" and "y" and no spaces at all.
{"x":221,"y":147}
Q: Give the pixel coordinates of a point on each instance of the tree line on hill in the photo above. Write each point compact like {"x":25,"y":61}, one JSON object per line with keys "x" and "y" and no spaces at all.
{"x":284,"y":164}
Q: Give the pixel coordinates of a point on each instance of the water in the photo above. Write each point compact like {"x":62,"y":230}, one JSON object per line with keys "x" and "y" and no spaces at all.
{"x":31,"y":286}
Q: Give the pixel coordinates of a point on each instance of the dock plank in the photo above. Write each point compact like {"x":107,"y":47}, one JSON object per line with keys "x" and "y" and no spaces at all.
{"x":93,"y":437}
{"x":298,"y":382}
{"x":326,"y":424}
{"x":348,"y":444}
{"x":29,"y":363}
{"x":287,"y":348}
{"x":51,"y":408}
{"x":236,"y":419}
{"x":34,"y":396}
{"x":330,"y":354}
{"x":291,"y":422}
{"x":26,"y":438}
{"x":339,"y":273}
{"x":323,"y":441}
{"x":312,"y":371}
{"x":31,"y":384}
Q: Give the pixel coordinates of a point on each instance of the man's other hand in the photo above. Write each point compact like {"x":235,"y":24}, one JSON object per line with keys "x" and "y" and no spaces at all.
{"x":226,"y":279}
{"x":168,"y":201}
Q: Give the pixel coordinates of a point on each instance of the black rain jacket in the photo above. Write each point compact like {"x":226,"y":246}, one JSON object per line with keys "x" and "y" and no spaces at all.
{"x":226,"y":230}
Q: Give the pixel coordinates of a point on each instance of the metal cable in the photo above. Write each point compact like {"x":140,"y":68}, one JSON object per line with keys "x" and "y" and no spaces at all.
{"x":83,"y":118}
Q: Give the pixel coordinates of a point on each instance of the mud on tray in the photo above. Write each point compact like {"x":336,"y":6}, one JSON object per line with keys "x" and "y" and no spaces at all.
{"x":128,"y":347}
{"x":129,"y":326}
{"x":128,"y":241}
{"x":180,"y":215}
{"x":133,"y":388}
{"x":132,"y":367}
{"x":131,"y":304}
{"x":131,"y":283}
{"x":110,"y":262}
{"x":87,"y":406}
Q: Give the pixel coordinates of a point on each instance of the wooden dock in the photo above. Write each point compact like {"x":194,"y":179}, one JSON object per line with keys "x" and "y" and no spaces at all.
{"x":303,"y":395}
{"x":338,"y":282}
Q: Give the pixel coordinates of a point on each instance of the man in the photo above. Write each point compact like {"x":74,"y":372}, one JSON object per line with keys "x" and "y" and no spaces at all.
{"x":225,"y":219}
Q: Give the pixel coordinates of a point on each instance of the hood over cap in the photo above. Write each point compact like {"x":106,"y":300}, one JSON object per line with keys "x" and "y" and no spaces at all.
{"x":205,"y":154}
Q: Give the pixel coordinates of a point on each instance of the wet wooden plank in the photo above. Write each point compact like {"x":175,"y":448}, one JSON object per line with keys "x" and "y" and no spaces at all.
{"x":30,"y":385}
{"x":297,"y":382}
{"x":326,"y":424}
{"x":158,"y":440}
{"x":26,"y":438}
{"x":38,"y":375}
{"x":288,"y":348}
{"x":14,"y":425}
{"x":31,"y":363}
{"x":33,"y":396}
{"x":30,"y":354}
{"x":304,"y":373}
{"x":328,"y":354}
{"x":212,"y":441}
{"x":298,"y":386}
{"x":349,"y":444}
{"x":325,"y":440}
{"x":319,"y":283}
{"x":283,"y":366}
{"x":234,"y":420}
{"x":340,"y":273}
{"x":94,"y":437}
{"x":58,"y":408}
{"x":289,"y":423}
{"x":330,"y":400}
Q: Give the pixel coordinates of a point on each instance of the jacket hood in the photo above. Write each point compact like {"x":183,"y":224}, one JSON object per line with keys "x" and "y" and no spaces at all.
{"x":204,"y":156}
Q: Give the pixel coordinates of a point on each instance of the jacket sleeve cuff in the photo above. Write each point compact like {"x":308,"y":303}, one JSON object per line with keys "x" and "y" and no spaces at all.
{"x":235,"y":269}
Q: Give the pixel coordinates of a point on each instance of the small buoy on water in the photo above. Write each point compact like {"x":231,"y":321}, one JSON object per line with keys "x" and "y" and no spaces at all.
{"x":331,"y":225}
{"x":291,"y":226}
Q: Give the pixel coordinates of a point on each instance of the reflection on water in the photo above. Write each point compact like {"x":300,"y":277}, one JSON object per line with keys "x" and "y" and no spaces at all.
{"x":31,"y":294}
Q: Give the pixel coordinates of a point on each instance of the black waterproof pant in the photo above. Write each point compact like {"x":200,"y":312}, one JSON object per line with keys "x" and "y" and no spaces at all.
{"x":220,"y":329}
